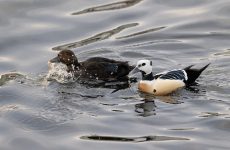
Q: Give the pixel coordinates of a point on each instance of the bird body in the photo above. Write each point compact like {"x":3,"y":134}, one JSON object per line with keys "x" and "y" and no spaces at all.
{"x":99,"y":68}
{"x":160,"y":86}
{"x":166,"y":82}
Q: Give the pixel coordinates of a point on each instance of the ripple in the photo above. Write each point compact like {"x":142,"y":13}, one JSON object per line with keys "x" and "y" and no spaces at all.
{"x":132,"y":139}
{"x":134,"y":54}
{"x":146,"y":109}
{"x":8,"y":108}
{"x":212,"y":114}
{"x":172,"y":33}
{"x":95,"y":38}
{"x":112,"y":6}
{"x":182,"y":129}
{"x":10,"y":76}
{"x":141,"y":32}
{"x":186,"y":12}
{"x":26,"y":143}
{"x":224,"y":53}
{"x":5,"y":59}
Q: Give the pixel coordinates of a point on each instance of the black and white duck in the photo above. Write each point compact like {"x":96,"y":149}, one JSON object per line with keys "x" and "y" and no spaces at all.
{"x":166,"y":82}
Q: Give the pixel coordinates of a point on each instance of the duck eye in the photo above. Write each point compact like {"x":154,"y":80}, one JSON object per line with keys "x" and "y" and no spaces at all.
{"x":143,"y":64}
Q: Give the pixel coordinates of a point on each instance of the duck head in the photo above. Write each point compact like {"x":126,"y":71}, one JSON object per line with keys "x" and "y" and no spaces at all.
{"x":143,"y":66}
{"x":66,"y":57}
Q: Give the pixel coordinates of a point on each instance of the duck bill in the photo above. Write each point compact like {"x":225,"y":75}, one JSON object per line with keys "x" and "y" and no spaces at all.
{"x":54,"y":60}
{"x":134,"y":71}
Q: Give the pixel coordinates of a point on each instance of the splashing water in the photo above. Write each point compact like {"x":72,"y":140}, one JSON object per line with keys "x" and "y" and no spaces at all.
{"x":57,"y":71}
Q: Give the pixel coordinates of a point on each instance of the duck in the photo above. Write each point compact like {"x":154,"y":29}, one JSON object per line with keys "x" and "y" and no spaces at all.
{"x":166,"y":82}
{"x":98,"y":68}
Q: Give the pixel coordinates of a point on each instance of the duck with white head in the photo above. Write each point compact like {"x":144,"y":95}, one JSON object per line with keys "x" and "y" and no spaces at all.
{"x":166,"y":82}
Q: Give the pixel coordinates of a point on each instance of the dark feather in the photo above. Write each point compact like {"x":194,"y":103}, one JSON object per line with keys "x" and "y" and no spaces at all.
{"x":174,"y":75}
{"x":193,"y":74}
{"x":95,"y":68}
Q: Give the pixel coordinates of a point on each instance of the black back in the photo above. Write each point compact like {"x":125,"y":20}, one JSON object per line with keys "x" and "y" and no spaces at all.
{"x":105,"y":69}
{"x":174,"y":75}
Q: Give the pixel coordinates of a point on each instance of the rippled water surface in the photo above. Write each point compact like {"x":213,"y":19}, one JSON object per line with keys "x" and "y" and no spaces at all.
{"x":36,"y":114}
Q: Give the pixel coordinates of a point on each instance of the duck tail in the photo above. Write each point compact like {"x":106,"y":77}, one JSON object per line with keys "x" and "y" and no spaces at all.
{"x":203,"y":68}
{"x":193,"y":74}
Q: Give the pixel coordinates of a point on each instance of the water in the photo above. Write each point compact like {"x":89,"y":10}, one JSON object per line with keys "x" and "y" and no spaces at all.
{"x":38,"y":115}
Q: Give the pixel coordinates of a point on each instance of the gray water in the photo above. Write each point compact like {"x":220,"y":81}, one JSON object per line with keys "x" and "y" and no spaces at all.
{"x":38,"y":115}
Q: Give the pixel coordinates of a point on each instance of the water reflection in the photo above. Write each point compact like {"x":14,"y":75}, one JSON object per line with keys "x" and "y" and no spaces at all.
{"x":146,"y":109}
{"x":95,"y":38}
{"x":196,"y":31}
{"x":132,"y":139}
{"x":113,"y":85}
{"x":186,"y":12}
{"x":212,"y":114}
{"x":224,"y":53}
{"x":7,"y":108}
{"x":79,"y":95}
{"x":112,"y":6}
{"x":141,"y":32}
{"x":171,"y":99}
{"x":76,"y":99}
{"x":148,"y":106}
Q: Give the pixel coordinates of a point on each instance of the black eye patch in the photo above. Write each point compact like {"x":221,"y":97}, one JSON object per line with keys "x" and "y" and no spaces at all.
{"x":143,"y":64}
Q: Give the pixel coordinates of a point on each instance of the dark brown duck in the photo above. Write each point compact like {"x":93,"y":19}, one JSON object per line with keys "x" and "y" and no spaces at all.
{"x":93,"y":68}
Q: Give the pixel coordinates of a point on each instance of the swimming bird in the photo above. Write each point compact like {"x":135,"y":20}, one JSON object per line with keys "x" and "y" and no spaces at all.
{"x":99,"y":68}
{"x":166,"y":82}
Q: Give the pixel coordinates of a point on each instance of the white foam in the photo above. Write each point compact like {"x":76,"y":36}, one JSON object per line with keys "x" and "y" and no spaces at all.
{"x":58,"y":72}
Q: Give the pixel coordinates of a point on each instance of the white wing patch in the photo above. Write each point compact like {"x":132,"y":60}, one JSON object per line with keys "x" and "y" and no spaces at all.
{"x":176,"y":74}
{"x":185,"y":75}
